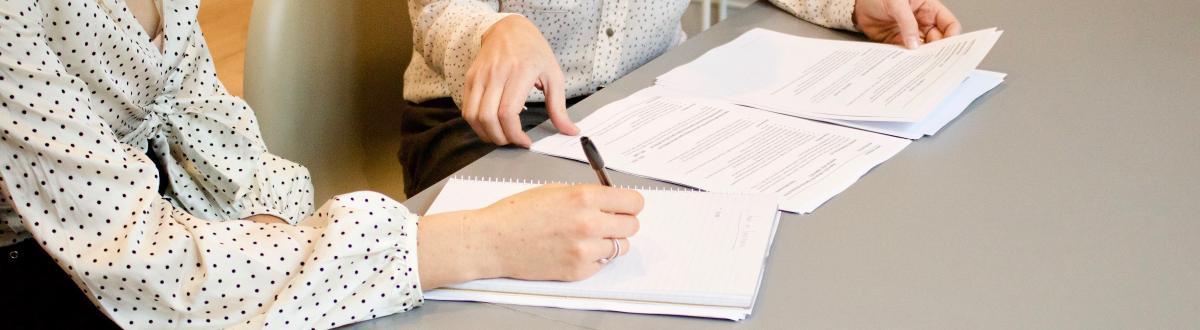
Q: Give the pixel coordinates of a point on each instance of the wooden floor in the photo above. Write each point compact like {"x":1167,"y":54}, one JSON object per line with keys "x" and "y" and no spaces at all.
{"x":225,"y":23}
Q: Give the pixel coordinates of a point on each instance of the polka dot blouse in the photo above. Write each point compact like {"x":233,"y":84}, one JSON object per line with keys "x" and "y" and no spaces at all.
{"x":131,"y":164}
{"x":595,"y":42}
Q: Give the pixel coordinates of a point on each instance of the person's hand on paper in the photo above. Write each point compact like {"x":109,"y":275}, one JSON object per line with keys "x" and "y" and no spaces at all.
{"x":558,"y":232}
{"x":552,"y":232}
{"x":513,"y":59}
{"x":909,"y":23}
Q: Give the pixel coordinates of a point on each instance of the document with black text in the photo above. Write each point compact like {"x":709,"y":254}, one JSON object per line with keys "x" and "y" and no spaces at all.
{"x":718,"y":146}
{"x":832,"y":79}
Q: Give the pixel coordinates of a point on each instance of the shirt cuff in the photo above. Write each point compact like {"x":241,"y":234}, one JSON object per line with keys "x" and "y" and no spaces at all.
{"x":281,"y":188}
{"x":842,"y":15}
{"x":415,"y":297}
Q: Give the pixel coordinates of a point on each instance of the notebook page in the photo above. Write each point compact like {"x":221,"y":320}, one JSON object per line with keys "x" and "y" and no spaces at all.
{"x":692,"y":248}
{"x":626,"y":306}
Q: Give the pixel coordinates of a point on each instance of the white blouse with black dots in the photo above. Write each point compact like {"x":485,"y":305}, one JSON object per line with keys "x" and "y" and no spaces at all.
{"x":595,"y":42}
{"x":87,"y":102}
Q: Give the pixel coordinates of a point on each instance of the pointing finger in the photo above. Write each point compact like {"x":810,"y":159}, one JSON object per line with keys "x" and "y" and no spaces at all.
{"x":553,"y":86}
{"x":906,"y":21}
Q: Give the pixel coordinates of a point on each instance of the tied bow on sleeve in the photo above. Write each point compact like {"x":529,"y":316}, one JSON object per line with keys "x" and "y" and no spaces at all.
{"x":209,"y":148}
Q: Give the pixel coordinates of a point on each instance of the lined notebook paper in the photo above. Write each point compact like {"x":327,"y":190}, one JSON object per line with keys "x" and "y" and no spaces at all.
{"x":695,"y":254}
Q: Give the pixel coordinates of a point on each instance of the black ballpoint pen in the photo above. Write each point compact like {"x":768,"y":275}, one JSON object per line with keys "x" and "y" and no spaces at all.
{"x":593,"y":157}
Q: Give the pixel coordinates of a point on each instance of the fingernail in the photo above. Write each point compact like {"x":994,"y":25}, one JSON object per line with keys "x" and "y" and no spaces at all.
{"x":912,"y":42}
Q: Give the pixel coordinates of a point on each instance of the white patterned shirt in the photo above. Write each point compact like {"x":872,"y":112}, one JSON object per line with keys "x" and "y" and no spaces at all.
{"x":595,"y":41}
{"x":87,"y":96}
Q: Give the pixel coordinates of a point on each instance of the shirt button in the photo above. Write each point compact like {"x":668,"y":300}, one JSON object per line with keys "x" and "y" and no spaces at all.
{"x":12,"y":255}
{"x":609,"y":32}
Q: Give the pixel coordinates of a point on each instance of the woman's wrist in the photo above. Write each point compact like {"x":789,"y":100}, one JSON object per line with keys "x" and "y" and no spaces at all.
{"x":456,"y":247}
{"x":480,"y":244}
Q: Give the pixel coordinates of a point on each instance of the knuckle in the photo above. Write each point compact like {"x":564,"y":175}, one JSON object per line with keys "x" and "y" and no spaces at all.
{"x":487,"y":119}
{"x":582,"y":197}
{"x":509,"y":109}
{"x":584,"y":229}
{"x":497,"y":71}
{"x":575,"y":253}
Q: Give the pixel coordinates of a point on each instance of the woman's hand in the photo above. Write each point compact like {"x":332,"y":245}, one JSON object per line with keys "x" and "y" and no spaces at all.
{"x":513,"y":59}
{"x":559,"y":232}
{"x":553,"y":232}
{"x":909,"y":23}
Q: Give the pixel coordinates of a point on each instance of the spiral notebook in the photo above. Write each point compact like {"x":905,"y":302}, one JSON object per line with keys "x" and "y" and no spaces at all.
{"x":696,"y":254}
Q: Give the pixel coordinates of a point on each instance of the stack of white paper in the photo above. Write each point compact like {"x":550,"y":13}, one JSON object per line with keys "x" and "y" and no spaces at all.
{"x":703,"y":125}
{"x":717,"y":146}
{"x":834,"y":80}
{"x":695,"y":254}
{"x":979,"y":82}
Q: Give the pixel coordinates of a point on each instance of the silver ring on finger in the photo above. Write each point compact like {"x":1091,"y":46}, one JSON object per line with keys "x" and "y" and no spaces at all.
{"x":616,"y":252}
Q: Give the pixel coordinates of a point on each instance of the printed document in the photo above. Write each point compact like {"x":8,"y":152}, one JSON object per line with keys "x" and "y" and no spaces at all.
{"x":979,"y":82}
{"x":718,"y":146}
{"x":830,"y":79}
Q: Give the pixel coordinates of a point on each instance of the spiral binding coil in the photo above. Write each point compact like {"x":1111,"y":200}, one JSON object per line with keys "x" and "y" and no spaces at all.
{"x":542,"y":182}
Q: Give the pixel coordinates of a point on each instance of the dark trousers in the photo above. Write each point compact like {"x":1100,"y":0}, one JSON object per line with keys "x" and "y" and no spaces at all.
{"x":40,"y":295}
{"x":436,"y":141}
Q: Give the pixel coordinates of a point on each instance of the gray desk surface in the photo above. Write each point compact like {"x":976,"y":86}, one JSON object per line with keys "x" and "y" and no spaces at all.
{"x":1066,"y":198}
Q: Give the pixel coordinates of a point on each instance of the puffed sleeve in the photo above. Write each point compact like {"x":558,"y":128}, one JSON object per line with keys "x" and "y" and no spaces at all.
{"x":91,"y":202}
{"x":448,"y":34}
{"x":836,"y":14}
{"x":281,"y":188}
{"x":211,"y":149}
